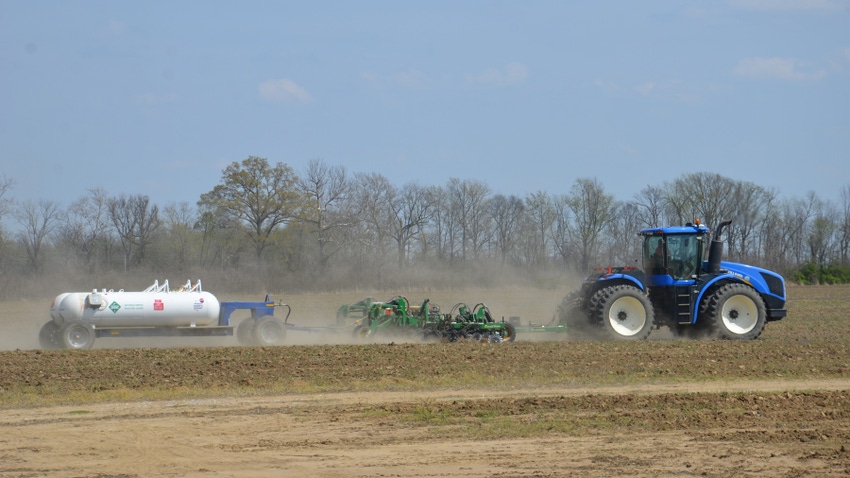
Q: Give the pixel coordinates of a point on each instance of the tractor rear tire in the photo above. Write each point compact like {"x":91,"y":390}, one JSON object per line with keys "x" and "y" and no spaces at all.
{"x":624,"y":312}
{"x":48,"y":336}
{"x":269,"y":331}
{"x":573,"y":316}
{"x":736,"y":312}
{"x":77,"y":335}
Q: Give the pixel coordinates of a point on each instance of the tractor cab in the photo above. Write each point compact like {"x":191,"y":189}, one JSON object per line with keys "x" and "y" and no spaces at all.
{"x":673,"y":255}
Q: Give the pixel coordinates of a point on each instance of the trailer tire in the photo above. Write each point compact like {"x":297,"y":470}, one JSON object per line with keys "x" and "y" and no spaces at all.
{"x":245,"y":332}
{"x":77,"y":335}
{"x":736,"y":312}
{"x":48,"y":336}
{"x":625,"y":312}
{"x":269,"y":331}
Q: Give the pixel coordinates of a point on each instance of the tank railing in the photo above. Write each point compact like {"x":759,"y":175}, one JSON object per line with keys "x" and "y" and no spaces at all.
{"x":156,"y":287}
{"x":187,"y":287}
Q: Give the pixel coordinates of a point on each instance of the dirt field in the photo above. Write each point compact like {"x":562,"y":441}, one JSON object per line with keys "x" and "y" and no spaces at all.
{"x":777,"y":406}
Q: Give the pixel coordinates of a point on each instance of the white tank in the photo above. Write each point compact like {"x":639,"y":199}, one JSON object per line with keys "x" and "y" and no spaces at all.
{"x":157,"y":306}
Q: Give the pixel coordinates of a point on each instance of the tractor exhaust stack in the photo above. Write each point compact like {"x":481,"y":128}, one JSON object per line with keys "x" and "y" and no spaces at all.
{"x":715,"y":254}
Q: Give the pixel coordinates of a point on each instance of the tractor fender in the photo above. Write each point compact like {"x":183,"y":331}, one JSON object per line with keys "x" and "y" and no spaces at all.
{"x":710,"y":285}
{"x":616,"y":279}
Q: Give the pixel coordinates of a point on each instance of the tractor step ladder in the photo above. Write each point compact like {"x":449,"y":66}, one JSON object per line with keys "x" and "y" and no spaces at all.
{"x":684,"y":309}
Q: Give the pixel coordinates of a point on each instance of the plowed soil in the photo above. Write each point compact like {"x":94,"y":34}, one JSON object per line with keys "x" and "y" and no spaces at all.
{"x":542,"y":406}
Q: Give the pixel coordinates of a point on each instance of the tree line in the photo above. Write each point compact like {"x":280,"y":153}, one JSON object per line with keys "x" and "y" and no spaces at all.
{"x":326,"y":227}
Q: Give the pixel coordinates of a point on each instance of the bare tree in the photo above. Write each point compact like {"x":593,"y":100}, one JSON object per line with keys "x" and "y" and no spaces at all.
{"x":37,"y":220}
{"x":540,"y":216}
{"x":135,"y":221}
{"x":468,"y":203}
{"x":844,"y":228}
{"x":507,"y":212}
{"x":592,"y":210}
{"x":822,"y":231}
{"x":374,"y":195}
{"x":410,"y":211}
{"x":650,"y":206}
{"x":327,"y":190}
{"x":260,"y":196}
{"x":6,"y":185}
{"x":180,"y":252}
{"x":707,"y":196}
{"x":751,"y":202}
{"x":561,"y":230}
{"x":621,"y":244}
{"x":85,"y":228}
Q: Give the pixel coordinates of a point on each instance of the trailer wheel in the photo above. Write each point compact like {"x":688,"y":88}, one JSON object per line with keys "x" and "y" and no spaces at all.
{"x":245,"y":332}
{"x":77,"y":335}
{"x":624,"y":312}
{"x":48,"y":336}
{"x":736,"y":312}
{"x":268,"y":331}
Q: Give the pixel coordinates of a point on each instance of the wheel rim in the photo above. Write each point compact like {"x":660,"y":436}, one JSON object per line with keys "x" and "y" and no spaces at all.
{"x":627,"y":316}
{"x":79,"y":337}
{"x":270,"y":333}
{"x":740,"y":314}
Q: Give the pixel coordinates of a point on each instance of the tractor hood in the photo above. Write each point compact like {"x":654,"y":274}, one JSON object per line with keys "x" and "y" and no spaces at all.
{"x":762,"y":280}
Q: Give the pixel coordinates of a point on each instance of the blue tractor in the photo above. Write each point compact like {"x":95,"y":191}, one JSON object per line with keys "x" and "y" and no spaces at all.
{"x":676,"y":288}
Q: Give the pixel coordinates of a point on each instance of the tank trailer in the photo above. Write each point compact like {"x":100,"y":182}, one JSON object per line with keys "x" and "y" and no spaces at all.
{"x":78,"y":318}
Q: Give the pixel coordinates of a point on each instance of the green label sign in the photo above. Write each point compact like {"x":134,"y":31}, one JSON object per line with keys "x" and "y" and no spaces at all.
{"x":114,"y":307}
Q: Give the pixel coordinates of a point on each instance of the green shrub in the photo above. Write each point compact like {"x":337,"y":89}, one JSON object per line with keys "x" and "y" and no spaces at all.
{"x":811,"y":273}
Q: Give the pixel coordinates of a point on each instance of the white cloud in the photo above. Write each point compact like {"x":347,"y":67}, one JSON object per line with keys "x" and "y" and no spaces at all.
{"x":778,"y":68}
{"x":791,"y":5}
{"x":411,"y":78}
{"x":511,"y":74}
{"x":283,"y":90}
{"x":645,"y":88}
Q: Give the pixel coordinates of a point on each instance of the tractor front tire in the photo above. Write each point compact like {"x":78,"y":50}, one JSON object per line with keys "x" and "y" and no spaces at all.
{"x":736,"y":312}
{"x":624,"y":312}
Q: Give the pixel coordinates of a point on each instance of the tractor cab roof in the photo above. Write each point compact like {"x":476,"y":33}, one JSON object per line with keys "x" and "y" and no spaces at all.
{"x":686,"y":229}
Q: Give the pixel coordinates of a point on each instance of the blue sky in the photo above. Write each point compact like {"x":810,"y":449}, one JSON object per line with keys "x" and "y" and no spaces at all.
{"x":158,"y":97}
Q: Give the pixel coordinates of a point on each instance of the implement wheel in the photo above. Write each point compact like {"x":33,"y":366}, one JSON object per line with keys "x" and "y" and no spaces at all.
{"x":624,"y":312}
{"x":509,"y":333}
{"x":736,"y":312}
{"x":269,"y":331}
{"x":362,"y":332}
